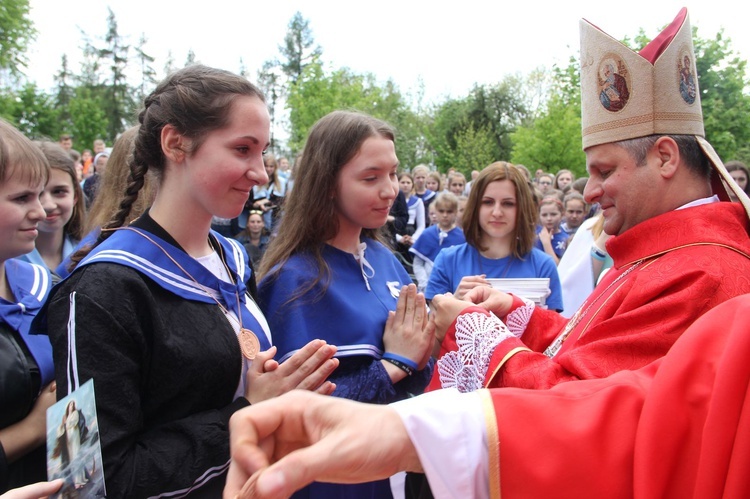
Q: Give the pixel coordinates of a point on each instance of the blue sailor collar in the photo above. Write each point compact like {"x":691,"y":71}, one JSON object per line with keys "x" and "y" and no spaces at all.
{"x":30,"y":285}
{"x":172,"y":268}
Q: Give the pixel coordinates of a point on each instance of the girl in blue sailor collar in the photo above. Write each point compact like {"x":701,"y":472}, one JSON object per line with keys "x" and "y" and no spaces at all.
{"x":328,"y":275}
{"x":63,"y":202}
{"x":158,"y":312}
{"x":27,"y":385}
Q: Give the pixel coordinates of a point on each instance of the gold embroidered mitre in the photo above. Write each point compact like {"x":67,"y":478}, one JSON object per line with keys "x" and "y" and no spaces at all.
{"x":627,"y":94}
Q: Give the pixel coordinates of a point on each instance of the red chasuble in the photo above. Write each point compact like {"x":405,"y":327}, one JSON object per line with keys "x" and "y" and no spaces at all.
{"x":676,"y":428}
{"x":669,"y":270}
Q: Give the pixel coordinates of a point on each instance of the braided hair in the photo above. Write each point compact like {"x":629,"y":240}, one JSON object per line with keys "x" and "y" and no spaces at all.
{"x":195,"y":100}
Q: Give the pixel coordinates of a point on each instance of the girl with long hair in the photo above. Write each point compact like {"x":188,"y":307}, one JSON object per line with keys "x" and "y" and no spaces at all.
{"x":328,"y":274}
{"x":499,"y":225}
{"x":64,"y":206}
{"x":269,"y":197}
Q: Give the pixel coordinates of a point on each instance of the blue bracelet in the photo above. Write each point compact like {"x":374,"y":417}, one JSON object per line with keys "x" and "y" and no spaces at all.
{"x":403,"y":360}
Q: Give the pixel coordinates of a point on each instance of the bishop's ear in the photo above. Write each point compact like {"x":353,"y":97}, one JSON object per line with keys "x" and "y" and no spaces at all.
{"x":668,"y":152}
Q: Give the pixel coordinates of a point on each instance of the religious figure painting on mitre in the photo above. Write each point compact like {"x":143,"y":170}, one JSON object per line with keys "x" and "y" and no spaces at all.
{"x":613,"y":83}
{"x":687,"y":77}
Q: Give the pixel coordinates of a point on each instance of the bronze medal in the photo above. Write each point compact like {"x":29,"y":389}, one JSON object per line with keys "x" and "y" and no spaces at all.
{"x":249,"y":343}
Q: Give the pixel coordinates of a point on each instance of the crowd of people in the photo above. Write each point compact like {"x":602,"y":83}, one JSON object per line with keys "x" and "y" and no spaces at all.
{"x":198,"y":279}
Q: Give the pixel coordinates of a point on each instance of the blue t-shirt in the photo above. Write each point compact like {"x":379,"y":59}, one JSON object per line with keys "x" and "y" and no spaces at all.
{"x":452,"y":264}
{"x":430,"y":243}
{"x":559,"y":241}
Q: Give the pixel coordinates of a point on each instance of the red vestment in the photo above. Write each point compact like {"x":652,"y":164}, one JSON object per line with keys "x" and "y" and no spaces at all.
{"x":691,"y":260}
{"x":676,"y":428}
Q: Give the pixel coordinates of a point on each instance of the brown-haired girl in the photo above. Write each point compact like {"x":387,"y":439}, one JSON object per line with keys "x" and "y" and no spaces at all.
{"x":499,"y":225}
{"x":158,"y":313}
{"x":328,"y":275}
{"x":65,"y":210}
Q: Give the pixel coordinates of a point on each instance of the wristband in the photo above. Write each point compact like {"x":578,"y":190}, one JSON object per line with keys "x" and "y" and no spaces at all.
{"x":598,"y":254}
{"x":407,"y":369}
{"x":392,"y":356}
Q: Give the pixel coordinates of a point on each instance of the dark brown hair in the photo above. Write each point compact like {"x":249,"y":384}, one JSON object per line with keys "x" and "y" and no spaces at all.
{"x":195,"y":100}
{"x":310,"y":213}
{"x":59,"y":159}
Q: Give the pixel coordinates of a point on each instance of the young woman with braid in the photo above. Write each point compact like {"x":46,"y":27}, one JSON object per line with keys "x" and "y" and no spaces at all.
{"x":157,"y":313}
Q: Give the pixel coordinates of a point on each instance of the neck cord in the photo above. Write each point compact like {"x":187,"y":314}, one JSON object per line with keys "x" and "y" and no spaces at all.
{"x":249,"y":343}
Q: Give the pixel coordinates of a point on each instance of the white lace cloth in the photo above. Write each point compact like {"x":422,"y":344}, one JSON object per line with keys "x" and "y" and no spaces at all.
{"x":477,"y":336}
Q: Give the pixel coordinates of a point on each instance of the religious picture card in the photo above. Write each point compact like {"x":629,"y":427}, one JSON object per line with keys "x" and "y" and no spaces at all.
{"x":74,"y":452}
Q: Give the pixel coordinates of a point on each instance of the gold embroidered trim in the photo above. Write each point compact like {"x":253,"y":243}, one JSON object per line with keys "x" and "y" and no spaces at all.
{"x":505,"y":359}
{"x":493,"y":443}
{"x":720,"y":245}
{"x":639,"y":120}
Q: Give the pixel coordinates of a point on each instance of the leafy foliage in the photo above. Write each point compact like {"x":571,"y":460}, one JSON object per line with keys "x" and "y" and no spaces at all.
{"x":16,"y":31}
{"x":533,"y":119}
{"x":299,"y":48}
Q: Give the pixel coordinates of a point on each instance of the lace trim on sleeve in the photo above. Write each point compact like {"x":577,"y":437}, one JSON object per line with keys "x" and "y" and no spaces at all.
{"x":518,"y":319}
{"x":477,"y":335}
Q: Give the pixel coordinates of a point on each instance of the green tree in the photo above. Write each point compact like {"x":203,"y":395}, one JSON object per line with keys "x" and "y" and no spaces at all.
{"x":475,"y":149}
{"x":317,"y":94}
{"x":270,"y":81}
{"x":65,"y":92}
{"x":489,"y":111}
{"x":723,"y":81}
{"x":117,"y":101}
{"x":552,"y":139}
{"x":145,"y":69}
{"x":299,"y":48}
{"x":34,"y":113}
{"x":89,"y":117}
{"x":16,"y":32}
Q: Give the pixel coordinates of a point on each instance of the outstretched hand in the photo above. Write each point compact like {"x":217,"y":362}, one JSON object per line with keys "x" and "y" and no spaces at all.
{"x":284,"y":444}
{"x":491,"y":299}
{"x":445,"y":309}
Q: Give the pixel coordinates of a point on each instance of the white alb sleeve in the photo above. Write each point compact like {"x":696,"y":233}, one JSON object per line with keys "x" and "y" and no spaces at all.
{"x":448,"y":431}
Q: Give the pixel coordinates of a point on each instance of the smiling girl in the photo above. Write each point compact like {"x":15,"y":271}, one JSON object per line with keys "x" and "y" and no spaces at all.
{"x":64,"y":206}
{"x":158,"y":312}
{"x":328,"y":275}
{"x":499,"y":226}
{"x":27,"y":386}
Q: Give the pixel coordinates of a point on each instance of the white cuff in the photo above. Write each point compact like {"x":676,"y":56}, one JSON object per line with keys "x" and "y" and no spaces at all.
{"x":448,"y":431}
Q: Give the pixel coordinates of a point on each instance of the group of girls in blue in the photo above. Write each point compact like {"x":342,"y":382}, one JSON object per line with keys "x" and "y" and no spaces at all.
{"x":160,"y":311}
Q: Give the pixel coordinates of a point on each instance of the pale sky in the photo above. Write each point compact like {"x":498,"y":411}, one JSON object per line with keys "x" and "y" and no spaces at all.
{"x":448,"y":45}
